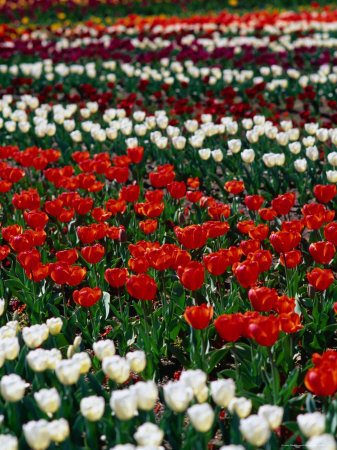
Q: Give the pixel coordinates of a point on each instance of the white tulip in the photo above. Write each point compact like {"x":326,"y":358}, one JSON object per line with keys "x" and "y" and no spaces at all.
{"x":104,"y":348}
{"x":217,"y":155}
{"x":308,"y":141}
{"x":149,"y":434}
{"x":247,"y":124}
{"x":201,"y":417}
{"x":311,"y":424}
{"x":37,"y":434}
{"x":332,"y":158}
{"x":146,"y":393}
{"x":117,"y":368}
{"x":223,"y":391}
{"x":34,"y":336}
{"x":12,"y":387}
{"x":295,"y":148}
{"x":331,"y":176}
{"x":255,"y":430}
{"x":84,"y":361}
{"x":48,"y":400}
{"x":68,"y":371}
{"x":124,"y":403}
{"x":311,"y":128}
{"x":8,"y":442}
{"x":252,"y":136}
{"x":179,"y":142}
{"x":234,"y":145}
{"x":324,"y":441}
{"x":322,"y":134}
{"x":301,"y":165}
{"x":196,"y":379}
{"x":177,"y":395}
{"x":137,"y":360}
{"x":92,"y":408}
{"x":55,"y":325}
{"x":272,"y":414}
{"x":241,"y":406}
{"x":9,"y":348}
{"x":76,"y":136}
{"x":248,"y":155}
{"x":59,"y":430}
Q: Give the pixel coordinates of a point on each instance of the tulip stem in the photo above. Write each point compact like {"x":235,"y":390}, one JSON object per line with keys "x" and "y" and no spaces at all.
{"x":237,"y":369}
{"x":270,"y":354}
{"x":202,"y":349}
{"x":286,"y":273}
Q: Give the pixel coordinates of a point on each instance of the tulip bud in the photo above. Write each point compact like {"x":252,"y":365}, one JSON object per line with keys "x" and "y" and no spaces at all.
{"x":59,"y":430}
{"x":217,"y":155}
{"x":48,"y":400}
{"x":311,"y":424}
{"x":241,"y":406}
{"x":124,"y":404}
{"x":223,"y":391}
{"x":104,"y":348}
{"x":149,"y":434}
{"x":232,"y":447}
{"x":92,"y":408}
{"x":295,"y":148}
{"x":312,"y":153}
{"x":37,"y":434}
{"x":255,"y":430}
{"x":137,"y":360}
{"x":272,"y":414}
{"x":201,"y":417}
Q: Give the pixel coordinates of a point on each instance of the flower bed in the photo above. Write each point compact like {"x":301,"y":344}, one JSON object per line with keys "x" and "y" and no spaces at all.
{"x":168,"y":196}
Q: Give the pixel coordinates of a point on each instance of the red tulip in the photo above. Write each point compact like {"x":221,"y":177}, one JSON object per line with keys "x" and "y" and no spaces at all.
{"x":116,"y":277}
{"x":246,"y":272}
{"x":234,"y":187}
{"x":192,"y":275}
{"x":284,"y":241}
{"x":192,"y":236}
{"x":229,"y":326}
{"x":265,"y":330}
{"x":325,"y":194}
{"x":86,"y":296}
{"x":322,"y":252}
{"x":141,"y":287}
{"x":320,"y":278}
{"x":254,"y":202}
{"x":263,"y":299}
{"x":93,"y":254}
{"x":291,"y":259}
{"x":198,"y":316}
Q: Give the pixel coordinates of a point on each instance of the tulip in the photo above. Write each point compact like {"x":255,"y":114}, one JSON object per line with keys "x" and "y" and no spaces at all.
{"x":9,"y":442}
{"x":137,"y":360}
{"x":262,"y":298}
{"x":59,"y":430}
{"x":104,"y":348}
{"x":149,"y":434}
{"x":48,"y":400}
{"x":246,"y":272}
{"x":124,"y":403}
{"x":311,"y":424}
{"x":322,"y":252}
{"x":265,"y":330}
{"x":201,"y":417}
{"x":223,"y":391}
{"x":141,"y":287}
{"x":241,"y":406}
{"x":229,"y":326}
{"x":92,"y":408}
{"x":326,"y":441}
{"x":146,"y":393}
{"x":116,"y":368}
{"x":177,"y":396}
{"x":272,"y":414}
{"x":54,"y":325}
{"x":37,"y":434}
{"x":116,"y":277}
{"x":192,"y":275}
{"x":87,"y":297}
{"x":255,"y":429}
{"x":12,"y":387}
{"x":320,"y":278}
{"x":198,"y":316}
